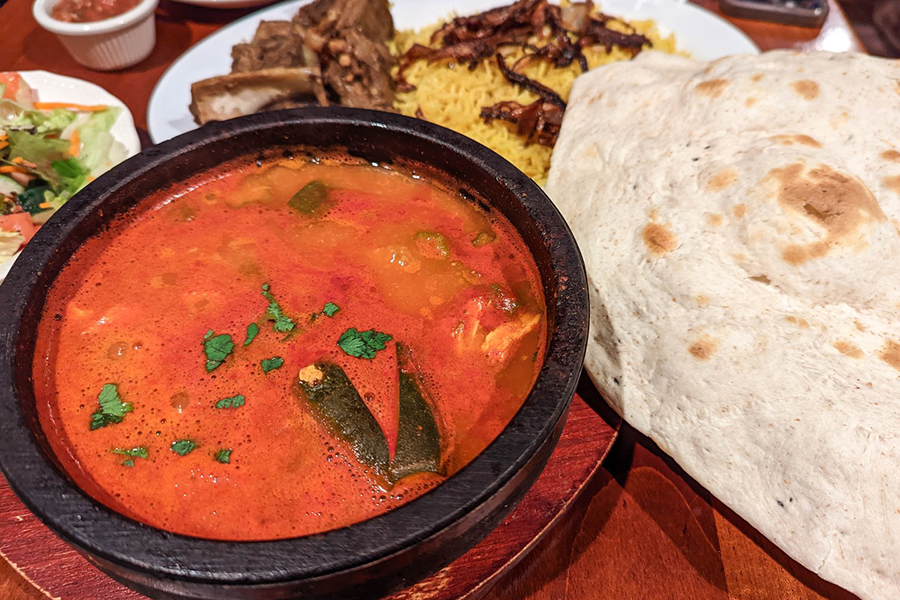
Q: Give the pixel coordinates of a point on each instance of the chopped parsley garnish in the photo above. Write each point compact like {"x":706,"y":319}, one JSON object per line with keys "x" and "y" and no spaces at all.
{"x":252,"y":332}
{"x":217,"y":348}
{"x":283,"y":323}
{"x":363,"y":344}
{"x":132,"y":453}
{"x":224,"y":456}
{"x":183,"y":447}
{"x":232,"y":402}
{"x":329,"y":310}
{"x":138,"y":452}
{"x":270,"y":364}
{"x":112,"y":409}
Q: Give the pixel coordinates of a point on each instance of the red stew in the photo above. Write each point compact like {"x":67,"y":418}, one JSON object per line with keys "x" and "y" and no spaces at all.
{"x":282,"y":350}
{"x":87,"y":11}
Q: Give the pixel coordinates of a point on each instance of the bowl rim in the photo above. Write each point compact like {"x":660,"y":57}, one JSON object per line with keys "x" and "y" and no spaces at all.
{"x":72,"y":514}
{"x":41,"y":9}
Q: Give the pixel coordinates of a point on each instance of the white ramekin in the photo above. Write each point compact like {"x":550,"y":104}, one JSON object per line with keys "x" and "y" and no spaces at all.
{"x":105,"y":45}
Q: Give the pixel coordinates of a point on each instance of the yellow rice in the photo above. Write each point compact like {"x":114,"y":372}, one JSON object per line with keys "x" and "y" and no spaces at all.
{"x":449,"y":94}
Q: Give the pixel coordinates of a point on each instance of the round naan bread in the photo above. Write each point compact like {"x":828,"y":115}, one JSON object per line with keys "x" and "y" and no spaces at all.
{"x":739,"y":222}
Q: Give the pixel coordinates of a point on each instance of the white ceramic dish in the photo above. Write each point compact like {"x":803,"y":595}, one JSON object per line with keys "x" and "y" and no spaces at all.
{"x":226,"y":3}
{"x":106,"y":45}
{"x":58,"y":88}
{"x":697,"y":31}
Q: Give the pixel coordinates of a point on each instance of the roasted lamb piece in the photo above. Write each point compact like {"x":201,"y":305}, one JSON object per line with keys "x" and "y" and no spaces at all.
{"x":229,"y":96}
{"x":350,"y":38}
{"x":277,"y":44}
{"x":371,"y":19}
{"x":335,"y":48}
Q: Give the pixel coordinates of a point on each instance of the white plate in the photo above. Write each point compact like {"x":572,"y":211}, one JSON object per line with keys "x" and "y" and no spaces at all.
{"x":226,"y":3}
{"x":58,"y":88}
{"x":701,"y":33}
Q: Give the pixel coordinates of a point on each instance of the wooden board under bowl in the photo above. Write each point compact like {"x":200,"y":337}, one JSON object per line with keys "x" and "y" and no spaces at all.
{"x":58,"y":571}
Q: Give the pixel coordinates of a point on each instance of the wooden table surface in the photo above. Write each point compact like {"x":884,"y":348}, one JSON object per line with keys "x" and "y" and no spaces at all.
{"x":642,"y":529}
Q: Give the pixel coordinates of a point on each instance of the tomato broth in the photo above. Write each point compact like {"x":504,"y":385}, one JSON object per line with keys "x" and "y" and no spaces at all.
{"x":286,"y":347}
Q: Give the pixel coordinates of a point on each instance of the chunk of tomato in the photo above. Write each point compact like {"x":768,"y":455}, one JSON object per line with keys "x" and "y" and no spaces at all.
{"x":11,"y":81}
{"x":20,"y":222}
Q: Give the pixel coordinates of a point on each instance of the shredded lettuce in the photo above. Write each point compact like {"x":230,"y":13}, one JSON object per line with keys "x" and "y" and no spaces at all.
{"x":100,"y":151}
{"x":73,"y":174}
{"x":8,"y":187}
{"x":59,"y":152}
{"x":15,"y":116}
{"x":42,"y":123}
{"x":60,"y":172}
{"x":57,"y":120}
{"x":42,"y":151}
{"x":10,"y":241}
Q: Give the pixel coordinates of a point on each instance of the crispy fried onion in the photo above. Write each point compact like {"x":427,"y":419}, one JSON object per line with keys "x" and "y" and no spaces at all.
{"x":531,"y":85}
{"x":537,"y":122}
{"x":566,"y":30}
{"x":545,"y":32}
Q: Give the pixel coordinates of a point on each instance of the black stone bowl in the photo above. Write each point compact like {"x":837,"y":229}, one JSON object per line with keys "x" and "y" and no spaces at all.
{"x":367,"y":560}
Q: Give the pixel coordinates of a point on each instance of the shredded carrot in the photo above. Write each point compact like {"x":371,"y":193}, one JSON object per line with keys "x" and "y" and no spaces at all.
{"x":25,"y":163}
{"x":81,"y":107}
{"x":45,"y":205}
{"x":75,"y":143}
{"x":12,"y":169}
{"x":3,"y":145}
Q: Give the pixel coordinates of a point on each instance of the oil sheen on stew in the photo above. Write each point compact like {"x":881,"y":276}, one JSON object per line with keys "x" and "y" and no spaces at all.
{"x":282,"y":349}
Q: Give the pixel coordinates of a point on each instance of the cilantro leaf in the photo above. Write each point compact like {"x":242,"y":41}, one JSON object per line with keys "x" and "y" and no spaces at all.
{"x":217,"y":349}
{"x":283,"y":323}
{"x":270,"y":364}
{"x":137,"y":452}
{"x":132,"y":453}
{"x":224,"y":456}
{"x":183,"y":447}
{"x":351,"y":343}
{"x":112,"y":409}
{"x":252,"y":332}
{"x":232,"y":402}
{"x":363,"y":344}
{"x":329,"y":311}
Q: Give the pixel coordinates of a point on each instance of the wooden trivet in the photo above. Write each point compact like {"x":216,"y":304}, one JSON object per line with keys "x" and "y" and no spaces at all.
{"x":61,"y":573}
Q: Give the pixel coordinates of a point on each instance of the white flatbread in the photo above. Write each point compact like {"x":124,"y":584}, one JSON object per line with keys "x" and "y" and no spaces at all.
{"x":739,"y":222}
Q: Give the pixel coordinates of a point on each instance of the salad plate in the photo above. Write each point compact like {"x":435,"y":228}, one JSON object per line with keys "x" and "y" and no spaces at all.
{"x":59,"y":89}
{"x":698,"y":32}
